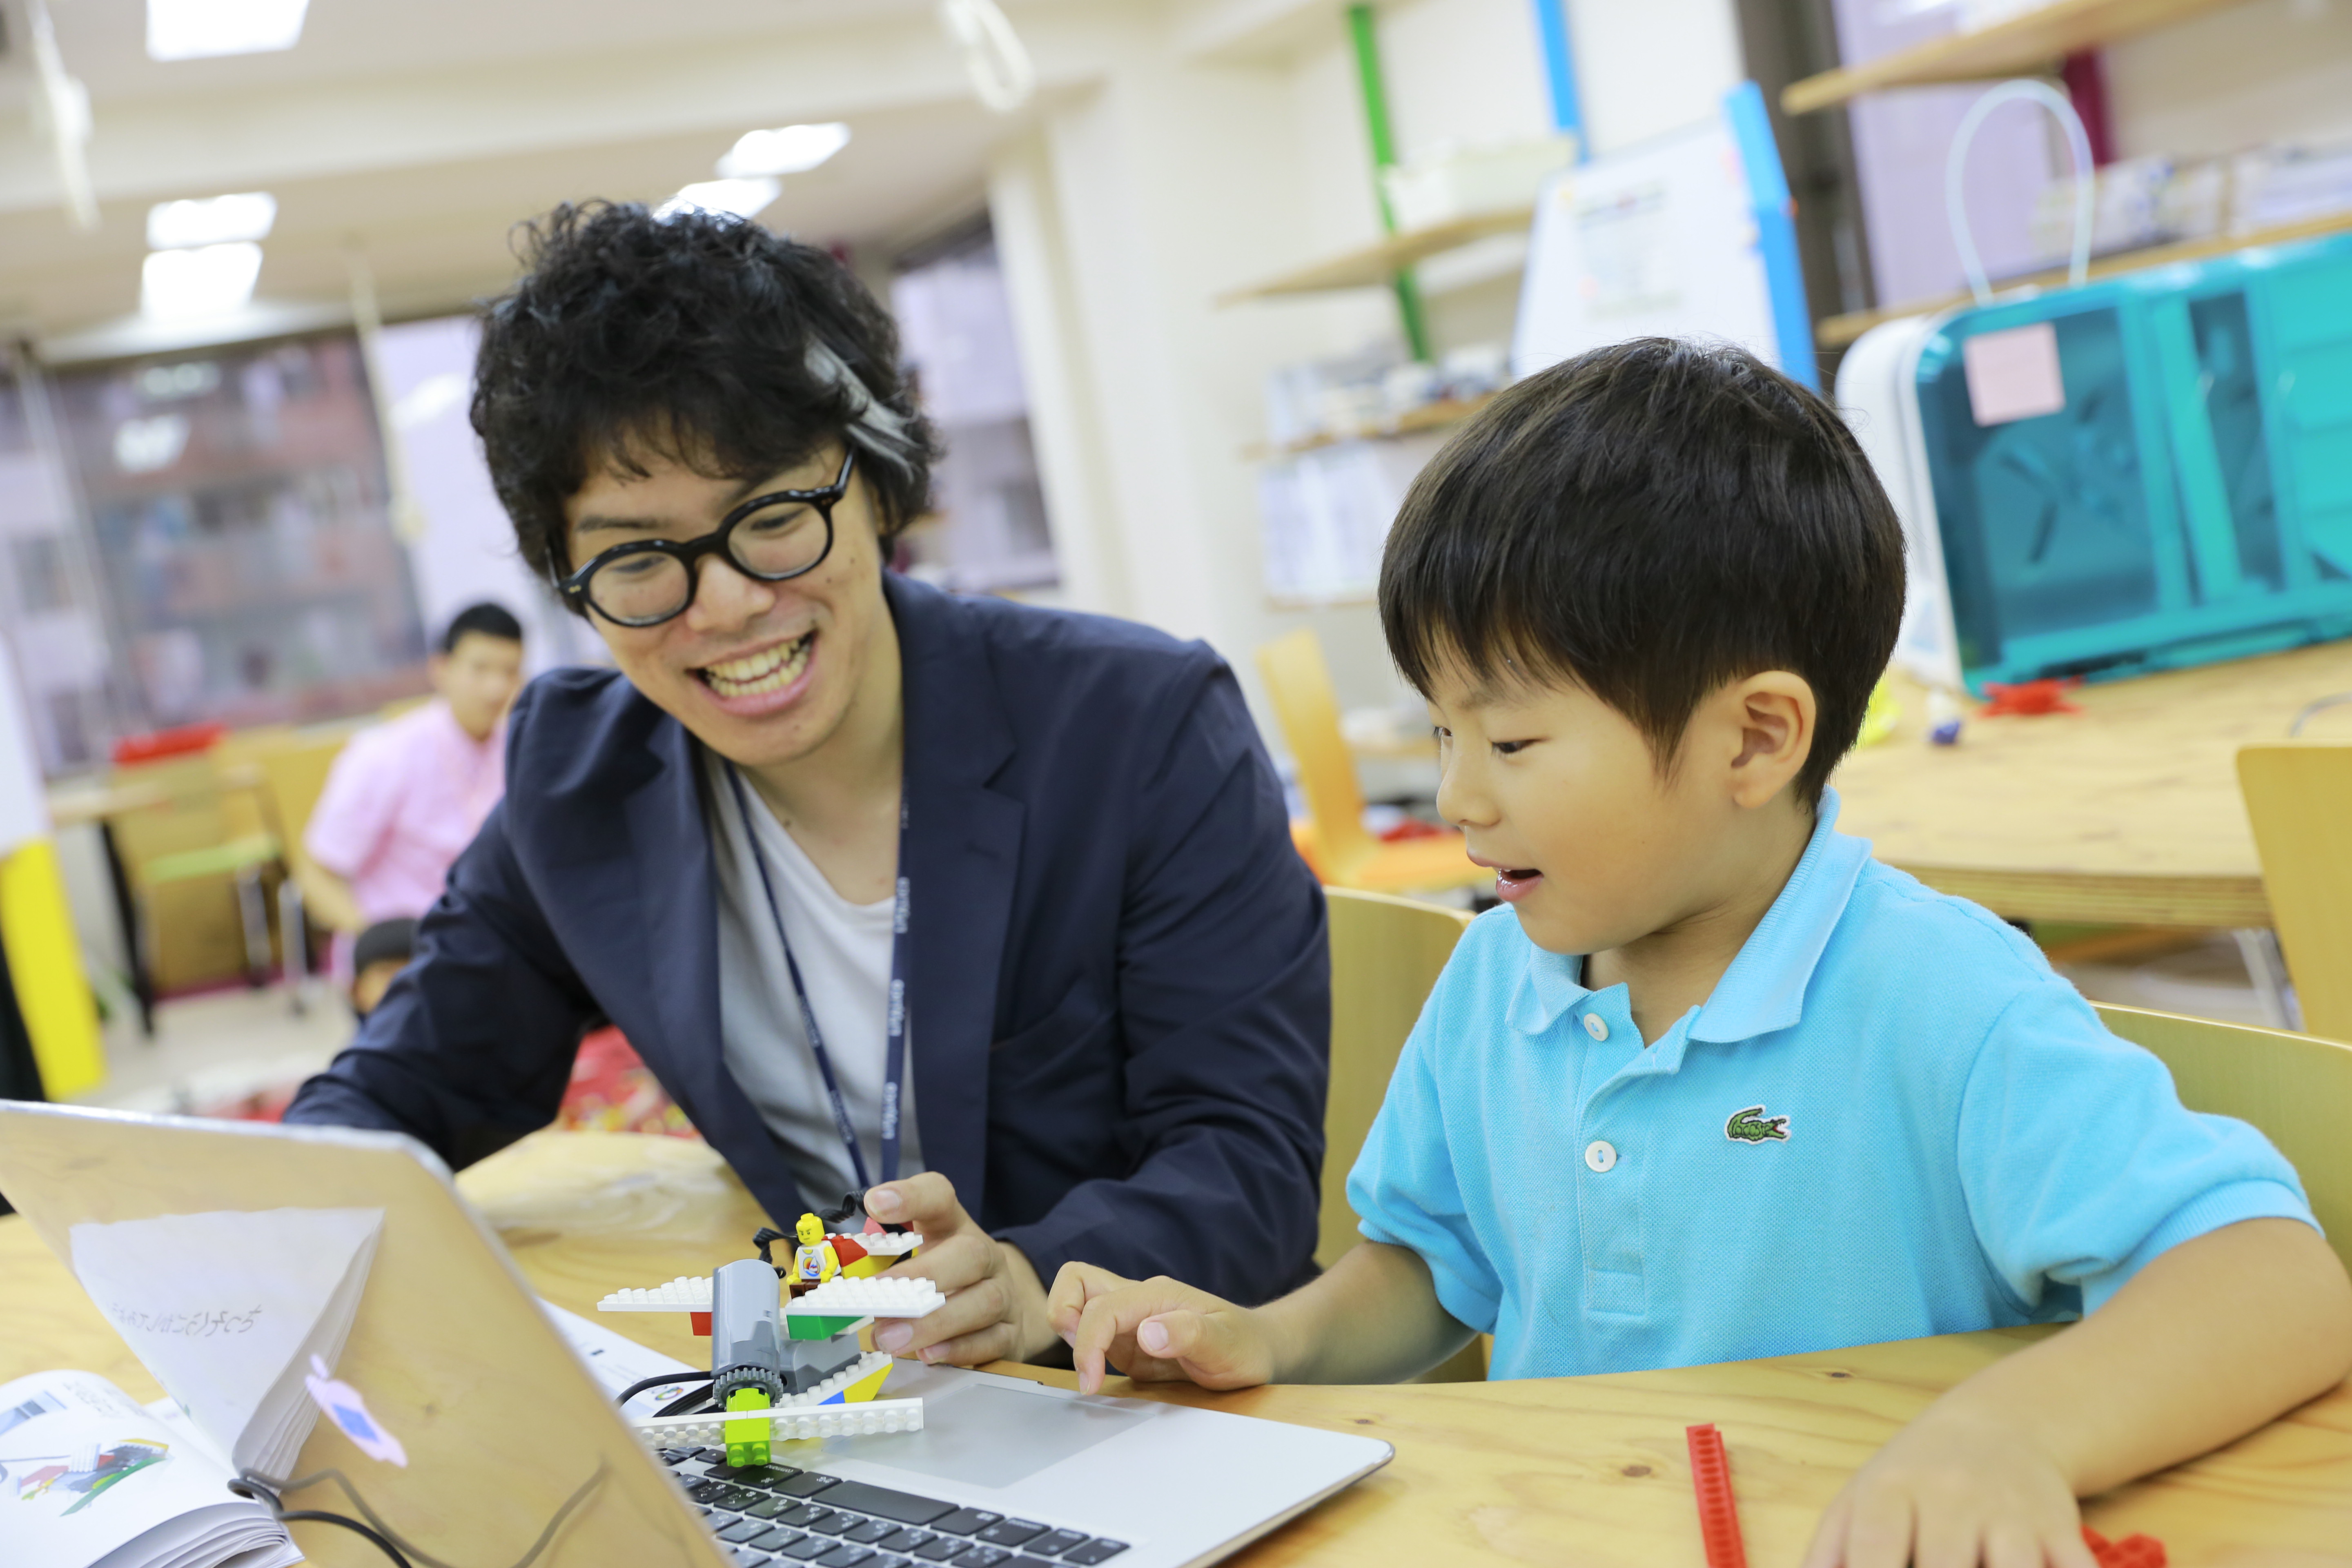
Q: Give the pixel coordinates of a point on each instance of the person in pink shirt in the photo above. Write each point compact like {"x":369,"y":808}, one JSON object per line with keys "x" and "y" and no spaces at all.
{"x":406,"y":797}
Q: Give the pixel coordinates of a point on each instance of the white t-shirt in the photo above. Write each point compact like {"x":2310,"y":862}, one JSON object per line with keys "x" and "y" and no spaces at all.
{"x":844,"y":951}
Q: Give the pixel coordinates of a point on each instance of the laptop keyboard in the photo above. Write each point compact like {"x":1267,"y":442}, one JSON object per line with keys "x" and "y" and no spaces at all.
{"x":773,"y":1516}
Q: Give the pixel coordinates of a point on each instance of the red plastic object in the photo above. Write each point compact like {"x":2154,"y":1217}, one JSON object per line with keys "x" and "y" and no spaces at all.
{"x":845,"y":1251}
{"x":1409,"y":829}
{"x":186,"y":741}
{"x":1718,"y":1516}
{"x":2131,"y":1552}
{"x":702,"y":1323}
{"x":2029,"y":699}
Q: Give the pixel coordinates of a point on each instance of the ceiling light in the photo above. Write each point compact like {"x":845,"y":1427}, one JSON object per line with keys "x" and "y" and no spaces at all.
{"x":193,"y":29}
{"x":171,"y":225}
{"x":744,"y":198}
{"x":205,"y":281}
{"x":786,"y":150}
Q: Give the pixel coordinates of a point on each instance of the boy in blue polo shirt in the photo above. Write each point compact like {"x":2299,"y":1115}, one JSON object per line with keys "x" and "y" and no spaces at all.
{"x":1713,"y":1084}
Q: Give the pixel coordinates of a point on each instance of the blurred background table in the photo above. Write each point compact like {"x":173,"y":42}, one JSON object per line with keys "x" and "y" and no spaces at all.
{"x":1589,"y":1469}
{"x":2126,"y":813}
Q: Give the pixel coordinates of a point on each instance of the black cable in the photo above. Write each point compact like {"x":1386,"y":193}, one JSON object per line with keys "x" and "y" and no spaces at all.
{"x":382,"y":1534}
{"x":645,"y":1383}
{"x":257,"y":1492}
{"x":692,"y":1405}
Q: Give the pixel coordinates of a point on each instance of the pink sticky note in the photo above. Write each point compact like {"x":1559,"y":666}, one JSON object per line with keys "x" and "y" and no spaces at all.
{"x":2013,"y":374}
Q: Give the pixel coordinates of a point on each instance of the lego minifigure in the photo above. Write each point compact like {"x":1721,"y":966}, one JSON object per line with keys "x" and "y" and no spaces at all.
{"x":815,"y":1261}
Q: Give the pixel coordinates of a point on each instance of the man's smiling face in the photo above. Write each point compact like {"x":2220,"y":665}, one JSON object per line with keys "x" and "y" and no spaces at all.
{"x":762,"y":673}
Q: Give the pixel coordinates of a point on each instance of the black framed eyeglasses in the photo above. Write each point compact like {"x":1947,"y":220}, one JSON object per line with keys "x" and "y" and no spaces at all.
{"x":773,"y":538}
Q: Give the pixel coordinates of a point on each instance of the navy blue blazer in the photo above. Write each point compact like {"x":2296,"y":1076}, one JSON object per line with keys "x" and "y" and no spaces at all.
{"x":1119,"y":979}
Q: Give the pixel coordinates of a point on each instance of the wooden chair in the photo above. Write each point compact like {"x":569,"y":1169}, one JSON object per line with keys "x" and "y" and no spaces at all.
{"x":1386,"y":954}
{"x":180,"y":849}
{"x":1343,"y":854}
{"x":2296,"y":794}
{"x":293,"y":776}
{"x":2296,"y":1089}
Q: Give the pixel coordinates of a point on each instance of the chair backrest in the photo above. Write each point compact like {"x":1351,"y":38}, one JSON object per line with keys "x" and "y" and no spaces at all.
{"x":1298,"y":683}
{"x":1386,"y":954}
{"x":2296,"y":1089}
{"x":293,"y":777}
{"x":185,"y":812}
{"x":2297,"y":793}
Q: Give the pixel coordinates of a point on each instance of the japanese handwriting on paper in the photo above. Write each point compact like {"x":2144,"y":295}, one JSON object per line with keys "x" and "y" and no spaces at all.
{"x":197,"y":1324}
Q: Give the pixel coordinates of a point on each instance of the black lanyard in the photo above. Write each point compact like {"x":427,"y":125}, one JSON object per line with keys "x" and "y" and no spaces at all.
{"x":894,"y":1055}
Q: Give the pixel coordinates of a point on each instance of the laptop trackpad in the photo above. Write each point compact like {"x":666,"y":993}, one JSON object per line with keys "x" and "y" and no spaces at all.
{"x":994,"y":1437}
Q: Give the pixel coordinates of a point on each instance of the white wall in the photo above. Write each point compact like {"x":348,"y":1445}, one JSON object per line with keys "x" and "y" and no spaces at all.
{"x":2275,"y":70}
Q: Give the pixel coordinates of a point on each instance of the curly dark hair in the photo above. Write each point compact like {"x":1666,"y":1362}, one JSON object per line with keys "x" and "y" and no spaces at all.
{"x":699,"y":338}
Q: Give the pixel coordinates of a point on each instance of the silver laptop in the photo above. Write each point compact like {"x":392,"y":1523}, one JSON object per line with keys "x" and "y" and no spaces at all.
{"x":467,"y":1430}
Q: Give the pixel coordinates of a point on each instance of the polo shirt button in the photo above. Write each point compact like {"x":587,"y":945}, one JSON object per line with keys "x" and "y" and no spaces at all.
{"x":1598,"y":1027}
{"x":1600,"y":1154}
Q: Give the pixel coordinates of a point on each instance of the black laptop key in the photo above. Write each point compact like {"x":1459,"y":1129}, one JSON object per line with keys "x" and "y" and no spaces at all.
{"x":770,"y":1507}
{"x":1054,"y":1542}
{"x":745,"y":1557}
{"x":939,"y":1548}
{"x":777,"y":1538}
{"x":1094,"y":1551}
{"x":709,"y":1491}
{"x":737,"y":1499}
{"x":831,"y":1523}
{"x":981,"y":1557}
{"x":906,"y":1508}
{"x":744,"y":1529}
{"x":808,"y":1483}
{"x":677,"y":1456}
{"x":1010,"y":1532}
{"x":845,"y":1557}
{"x":809,"y":1548}
{"x":906,"y":1540}
{"x":962,"y":1521}
{"x":870,"y":1531}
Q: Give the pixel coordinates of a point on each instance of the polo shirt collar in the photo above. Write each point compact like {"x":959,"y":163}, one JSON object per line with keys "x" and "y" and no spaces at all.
{"x":1764,"y":989}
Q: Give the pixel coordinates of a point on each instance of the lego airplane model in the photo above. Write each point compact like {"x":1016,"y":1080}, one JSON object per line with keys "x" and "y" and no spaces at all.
{"x":787,"y":1365}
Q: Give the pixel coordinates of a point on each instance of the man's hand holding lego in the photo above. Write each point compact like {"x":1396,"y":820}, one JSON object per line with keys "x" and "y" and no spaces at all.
{"x":996,"y":1304}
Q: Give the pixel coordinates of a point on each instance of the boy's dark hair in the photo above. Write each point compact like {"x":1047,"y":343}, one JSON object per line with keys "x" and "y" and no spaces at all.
{"x":489,"y":620}
{"x":1650,"y":520}
{"x":383,"y":942}
{"x":700,"y":338}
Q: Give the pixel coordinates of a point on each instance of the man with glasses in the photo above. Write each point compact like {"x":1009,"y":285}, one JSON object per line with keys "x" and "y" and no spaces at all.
{"x":988,"y":911}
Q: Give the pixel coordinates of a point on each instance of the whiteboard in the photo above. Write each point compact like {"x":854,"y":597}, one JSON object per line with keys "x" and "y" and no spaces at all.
{"x":1660,"y":240}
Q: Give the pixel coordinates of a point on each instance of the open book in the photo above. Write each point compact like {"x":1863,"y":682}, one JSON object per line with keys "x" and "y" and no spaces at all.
{"x":89,"y":1479}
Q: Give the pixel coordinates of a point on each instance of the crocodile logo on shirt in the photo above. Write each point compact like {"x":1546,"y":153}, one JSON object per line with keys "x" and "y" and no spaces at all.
{"x":1752,"y":1126}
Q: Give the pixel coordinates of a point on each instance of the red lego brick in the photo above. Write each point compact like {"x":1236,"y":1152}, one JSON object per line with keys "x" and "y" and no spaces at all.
{"x":2131,"y":1552}
{"x":1718,"y":1516}
{"x":702,"y":1323}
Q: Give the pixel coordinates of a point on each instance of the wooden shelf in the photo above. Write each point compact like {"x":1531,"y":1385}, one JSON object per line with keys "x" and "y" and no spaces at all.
{"x":1428,"y":416}
{"x":2019,"y":47}
{"x":1375,"y":264}
{"x":1836,"y":331}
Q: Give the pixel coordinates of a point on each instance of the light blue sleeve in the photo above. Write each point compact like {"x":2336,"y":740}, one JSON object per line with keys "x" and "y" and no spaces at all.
{"x":2080,"y":1164}
{"x":1404,"y":1187}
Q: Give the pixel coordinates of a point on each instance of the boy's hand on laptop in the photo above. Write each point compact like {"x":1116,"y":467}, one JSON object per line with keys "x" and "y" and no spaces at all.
{"x":996,"y":1304}
{"x":1157,"y":1331}
{"x":1954,"y":1493}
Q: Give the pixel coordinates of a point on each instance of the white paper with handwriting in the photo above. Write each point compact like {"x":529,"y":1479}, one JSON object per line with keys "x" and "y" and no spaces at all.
{"x":227,"y":1308}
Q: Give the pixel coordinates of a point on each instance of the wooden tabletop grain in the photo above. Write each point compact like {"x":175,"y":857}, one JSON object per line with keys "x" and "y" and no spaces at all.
{"x":1582,"y":1471}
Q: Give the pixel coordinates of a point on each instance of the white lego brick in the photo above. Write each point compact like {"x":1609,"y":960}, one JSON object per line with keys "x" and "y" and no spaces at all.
{"x":883,"y":1243}
{"x":686,"y":1293}
{"x":786,"y":1424}
{"x":876,"y":1297}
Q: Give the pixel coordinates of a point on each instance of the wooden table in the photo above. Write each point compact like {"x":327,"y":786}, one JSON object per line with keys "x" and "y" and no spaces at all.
{"x":2128,"y":811}
{"x":1585,"y":1471}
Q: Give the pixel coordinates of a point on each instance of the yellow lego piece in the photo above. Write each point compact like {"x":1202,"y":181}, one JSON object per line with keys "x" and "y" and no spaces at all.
{"x":866,"y":1387}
